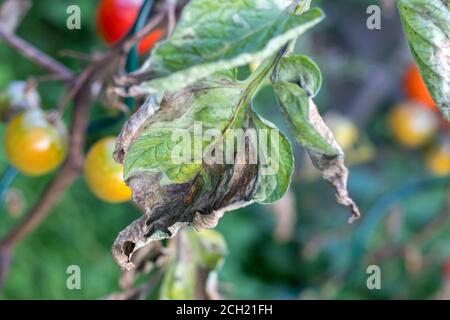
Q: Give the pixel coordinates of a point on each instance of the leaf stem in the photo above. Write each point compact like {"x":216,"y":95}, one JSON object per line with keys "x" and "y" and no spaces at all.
{"x":144,"y":12}
{"x":35,"y":55}
{"x":255,"y":80}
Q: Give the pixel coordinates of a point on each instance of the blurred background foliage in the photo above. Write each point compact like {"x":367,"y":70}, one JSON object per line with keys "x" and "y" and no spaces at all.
{"x":301,"y":247}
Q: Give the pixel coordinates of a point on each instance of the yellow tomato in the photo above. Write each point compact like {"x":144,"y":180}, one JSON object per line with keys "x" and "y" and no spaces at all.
{"x":412,"y":125}
{"x":103,"y":175}
{"x":437,"y":160}
{"x":35,"y":145}
{"x":344,"y":130}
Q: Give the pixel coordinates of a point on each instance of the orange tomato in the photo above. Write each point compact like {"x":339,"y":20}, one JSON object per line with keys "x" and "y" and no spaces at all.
{"x":415,"y":88}
{"x":34,"y":145}
{"x":103,"y":175}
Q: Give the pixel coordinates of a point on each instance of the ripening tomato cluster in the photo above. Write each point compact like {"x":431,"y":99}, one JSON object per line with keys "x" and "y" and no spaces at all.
{"x":36,"y":143}
{"x":416,"y":123}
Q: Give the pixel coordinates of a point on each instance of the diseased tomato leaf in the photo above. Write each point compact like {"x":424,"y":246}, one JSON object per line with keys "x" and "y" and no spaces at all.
{"x":234,"y":158}
{"x":295,"y":84}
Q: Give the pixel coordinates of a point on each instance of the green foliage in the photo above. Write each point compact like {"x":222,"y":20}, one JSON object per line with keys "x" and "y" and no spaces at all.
{"x":427,"y":27}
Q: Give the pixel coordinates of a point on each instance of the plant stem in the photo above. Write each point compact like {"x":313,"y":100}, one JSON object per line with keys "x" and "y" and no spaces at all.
{"x":35,"y":55}
{"x":132,"y":63}
{"x":255,"y":80}
{"x":257,"y":77}
{"x":144,"y":12}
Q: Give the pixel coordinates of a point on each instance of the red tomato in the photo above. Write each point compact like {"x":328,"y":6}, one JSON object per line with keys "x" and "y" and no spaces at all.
{"x":415,"y":88}
{"x":116,"y":17}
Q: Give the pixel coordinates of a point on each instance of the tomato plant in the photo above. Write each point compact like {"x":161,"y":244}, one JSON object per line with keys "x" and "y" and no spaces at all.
{"x":206,"y":124}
